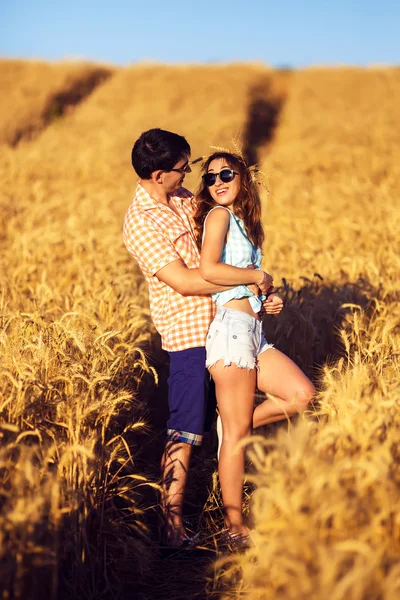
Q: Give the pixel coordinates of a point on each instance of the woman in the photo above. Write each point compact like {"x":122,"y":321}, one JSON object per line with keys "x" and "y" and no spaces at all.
{"x":239,"y":359}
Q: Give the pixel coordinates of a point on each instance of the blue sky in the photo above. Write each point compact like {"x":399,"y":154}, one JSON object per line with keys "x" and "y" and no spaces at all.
{"x":279,"y":32}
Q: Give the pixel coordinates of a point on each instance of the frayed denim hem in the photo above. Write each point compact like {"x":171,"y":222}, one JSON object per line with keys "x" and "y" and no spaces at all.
{"x":240,"y":362}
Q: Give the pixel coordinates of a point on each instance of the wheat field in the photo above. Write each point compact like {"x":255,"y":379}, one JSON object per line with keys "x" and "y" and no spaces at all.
{"x":80,"y":359}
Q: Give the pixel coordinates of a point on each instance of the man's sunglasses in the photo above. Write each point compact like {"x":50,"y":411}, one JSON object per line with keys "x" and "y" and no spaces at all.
{"x":226,"y":175}
{"x":185,"y":169}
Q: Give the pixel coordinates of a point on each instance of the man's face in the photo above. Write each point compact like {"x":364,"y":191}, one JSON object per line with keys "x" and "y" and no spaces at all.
{"x":174,"y":178}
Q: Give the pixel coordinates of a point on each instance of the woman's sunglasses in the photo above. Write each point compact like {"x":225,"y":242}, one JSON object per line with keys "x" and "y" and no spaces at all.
{"x":226,"y":175}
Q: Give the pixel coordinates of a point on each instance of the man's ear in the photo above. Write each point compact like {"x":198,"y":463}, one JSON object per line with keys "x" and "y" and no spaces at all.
{"x":157,"y":176}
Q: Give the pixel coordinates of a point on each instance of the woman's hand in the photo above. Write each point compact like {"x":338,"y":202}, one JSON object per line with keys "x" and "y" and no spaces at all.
{"x":265,"y":282}
{"x":272,"y":305}
{"x":253,"y":287}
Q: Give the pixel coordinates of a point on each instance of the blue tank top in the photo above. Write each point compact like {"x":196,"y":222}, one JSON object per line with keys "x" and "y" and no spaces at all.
{"x":238,"y":252}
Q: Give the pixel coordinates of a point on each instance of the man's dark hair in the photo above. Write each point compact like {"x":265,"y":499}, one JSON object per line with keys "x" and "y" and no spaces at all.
{"x":158,"y":149}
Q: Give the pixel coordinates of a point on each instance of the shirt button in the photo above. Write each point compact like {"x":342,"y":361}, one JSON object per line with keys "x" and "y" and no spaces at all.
{"x":235,"y":337}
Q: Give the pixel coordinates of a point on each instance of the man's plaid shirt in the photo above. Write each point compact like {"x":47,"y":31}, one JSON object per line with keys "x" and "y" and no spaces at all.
{"x":156,"y":236}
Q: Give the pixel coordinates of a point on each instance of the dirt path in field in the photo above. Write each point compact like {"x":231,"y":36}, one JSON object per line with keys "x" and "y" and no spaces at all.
{"x":266,"y":100}
{"x":59,"y":102}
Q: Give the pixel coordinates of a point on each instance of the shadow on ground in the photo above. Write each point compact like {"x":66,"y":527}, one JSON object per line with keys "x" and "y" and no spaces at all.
{"x":307,"y":330}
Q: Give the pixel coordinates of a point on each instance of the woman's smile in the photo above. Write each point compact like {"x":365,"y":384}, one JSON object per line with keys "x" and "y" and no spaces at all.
{"x":223,"y":193}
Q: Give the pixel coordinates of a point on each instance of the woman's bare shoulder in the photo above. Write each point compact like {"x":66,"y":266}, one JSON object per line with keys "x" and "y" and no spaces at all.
{"x":219,"y":213}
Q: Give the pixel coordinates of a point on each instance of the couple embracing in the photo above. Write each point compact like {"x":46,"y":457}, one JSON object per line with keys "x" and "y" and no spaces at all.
{"x":201,"y":257}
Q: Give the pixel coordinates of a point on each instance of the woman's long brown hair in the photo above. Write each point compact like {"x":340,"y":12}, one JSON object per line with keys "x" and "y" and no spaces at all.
{"x":247,"y":204}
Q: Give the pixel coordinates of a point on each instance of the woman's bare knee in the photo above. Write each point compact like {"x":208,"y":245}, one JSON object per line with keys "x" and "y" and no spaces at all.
{"x":236,"y":433}
{"x":304,"y":397}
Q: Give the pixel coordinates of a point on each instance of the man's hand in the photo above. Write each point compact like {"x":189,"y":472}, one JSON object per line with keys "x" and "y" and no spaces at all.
{"x":272,"y":305}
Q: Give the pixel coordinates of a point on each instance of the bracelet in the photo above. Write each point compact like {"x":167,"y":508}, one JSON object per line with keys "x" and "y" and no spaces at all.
{"x":264,"y":277}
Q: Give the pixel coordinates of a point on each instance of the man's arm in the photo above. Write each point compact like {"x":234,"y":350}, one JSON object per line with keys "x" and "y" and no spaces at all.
{"x":187,"y":282}
{"x":157,"y":256}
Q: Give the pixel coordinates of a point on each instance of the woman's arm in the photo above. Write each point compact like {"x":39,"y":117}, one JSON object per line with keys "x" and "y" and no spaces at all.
{"x":217,"y":272}
{"x":187,"y":281}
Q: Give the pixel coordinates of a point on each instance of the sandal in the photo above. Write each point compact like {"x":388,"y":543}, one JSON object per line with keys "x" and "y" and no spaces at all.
{"x":188,"y":541}
{"x":237,"y":541}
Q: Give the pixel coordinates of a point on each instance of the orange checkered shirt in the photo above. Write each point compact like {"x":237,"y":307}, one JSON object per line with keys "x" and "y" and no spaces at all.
{"x":156,"y":236}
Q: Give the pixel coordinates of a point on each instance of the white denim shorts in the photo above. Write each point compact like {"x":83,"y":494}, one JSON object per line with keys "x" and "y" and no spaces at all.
{"x":235,"y":337}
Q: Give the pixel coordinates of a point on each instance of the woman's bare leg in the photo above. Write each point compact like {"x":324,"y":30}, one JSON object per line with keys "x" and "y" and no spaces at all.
{"x":279,"y":376}
{"x":235,"y":397}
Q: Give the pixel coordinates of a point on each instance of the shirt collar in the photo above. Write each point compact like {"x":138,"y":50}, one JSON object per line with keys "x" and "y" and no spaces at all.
{"x":147,"y":202}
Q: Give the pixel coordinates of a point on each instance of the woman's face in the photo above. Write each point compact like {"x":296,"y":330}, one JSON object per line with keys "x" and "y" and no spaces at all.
{"x":223,"y":193}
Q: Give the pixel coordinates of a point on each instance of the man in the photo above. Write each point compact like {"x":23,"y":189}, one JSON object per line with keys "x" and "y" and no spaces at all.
{"x":159,"y":232}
